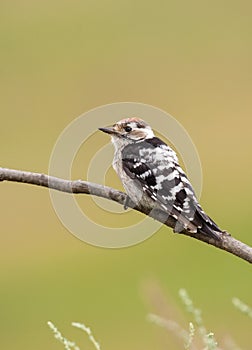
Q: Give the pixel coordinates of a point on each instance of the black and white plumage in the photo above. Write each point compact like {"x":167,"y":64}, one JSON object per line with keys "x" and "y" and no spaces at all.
{"x":151,"y":175}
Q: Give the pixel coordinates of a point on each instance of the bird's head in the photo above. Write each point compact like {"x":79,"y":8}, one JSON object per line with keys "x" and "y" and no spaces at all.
{"x":129,"y":130}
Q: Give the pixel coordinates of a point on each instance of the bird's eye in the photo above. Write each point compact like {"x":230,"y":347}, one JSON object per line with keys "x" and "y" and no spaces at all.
{"x":128,"y":128}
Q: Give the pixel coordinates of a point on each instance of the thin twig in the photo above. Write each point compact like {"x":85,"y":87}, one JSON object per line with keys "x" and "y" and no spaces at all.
{"x":227,"y":242}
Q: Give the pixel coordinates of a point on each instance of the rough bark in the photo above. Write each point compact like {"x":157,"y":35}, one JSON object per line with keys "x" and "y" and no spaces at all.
{"x":227,"y":242}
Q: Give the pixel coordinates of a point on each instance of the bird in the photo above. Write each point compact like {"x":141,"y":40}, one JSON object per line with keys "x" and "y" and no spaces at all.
{"x":151,"y":175}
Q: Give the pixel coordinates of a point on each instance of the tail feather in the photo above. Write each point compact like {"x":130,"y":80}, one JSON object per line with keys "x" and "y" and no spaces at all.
{"x":206,"y":225}
{"x":206,"y":229}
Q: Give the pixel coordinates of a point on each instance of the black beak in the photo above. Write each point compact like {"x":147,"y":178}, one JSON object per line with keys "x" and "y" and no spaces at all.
{"x":108,"y":130}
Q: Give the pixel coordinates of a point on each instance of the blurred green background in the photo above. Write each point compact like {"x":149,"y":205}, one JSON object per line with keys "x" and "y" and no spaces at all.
{"x":60,"y":59}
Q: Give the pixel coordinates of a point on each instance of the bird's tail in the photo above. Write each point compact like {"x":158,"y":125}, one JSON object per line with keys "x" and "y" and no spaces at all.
{"x":207,"y":225}
{"x":209,"y":231}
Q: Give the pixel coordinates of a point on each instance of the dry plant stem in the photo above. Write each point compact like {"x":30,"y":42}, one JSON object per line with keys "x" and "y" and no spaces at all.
{"x":227,"y":242}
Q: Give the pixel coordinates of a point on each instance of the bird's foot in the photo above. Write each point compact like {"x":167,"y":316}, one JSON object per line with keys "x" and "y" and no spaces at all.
{"x":126,"y":203}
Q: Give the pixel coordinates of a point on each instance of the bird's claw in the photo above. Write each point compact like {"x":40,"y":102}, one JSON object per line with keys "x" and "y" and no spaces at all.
{"x":126,"y":203}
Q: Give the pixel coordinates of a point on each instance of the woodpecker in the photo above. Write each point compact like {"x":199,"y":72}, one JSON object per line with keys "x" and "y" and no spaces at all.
{"x":151,"y":175}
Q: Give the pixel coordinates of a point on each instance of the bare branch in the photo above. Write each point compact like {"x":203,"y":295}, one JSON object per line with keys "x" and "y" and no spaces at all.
{"x":227,"y":242}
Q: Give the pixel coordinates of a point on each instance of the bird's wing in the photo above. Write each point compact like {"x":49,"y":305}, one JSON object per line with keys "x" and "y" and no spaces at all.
{"x":144,"y":175}
{"x":155,"y":166}
{"x":156,"y":173}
